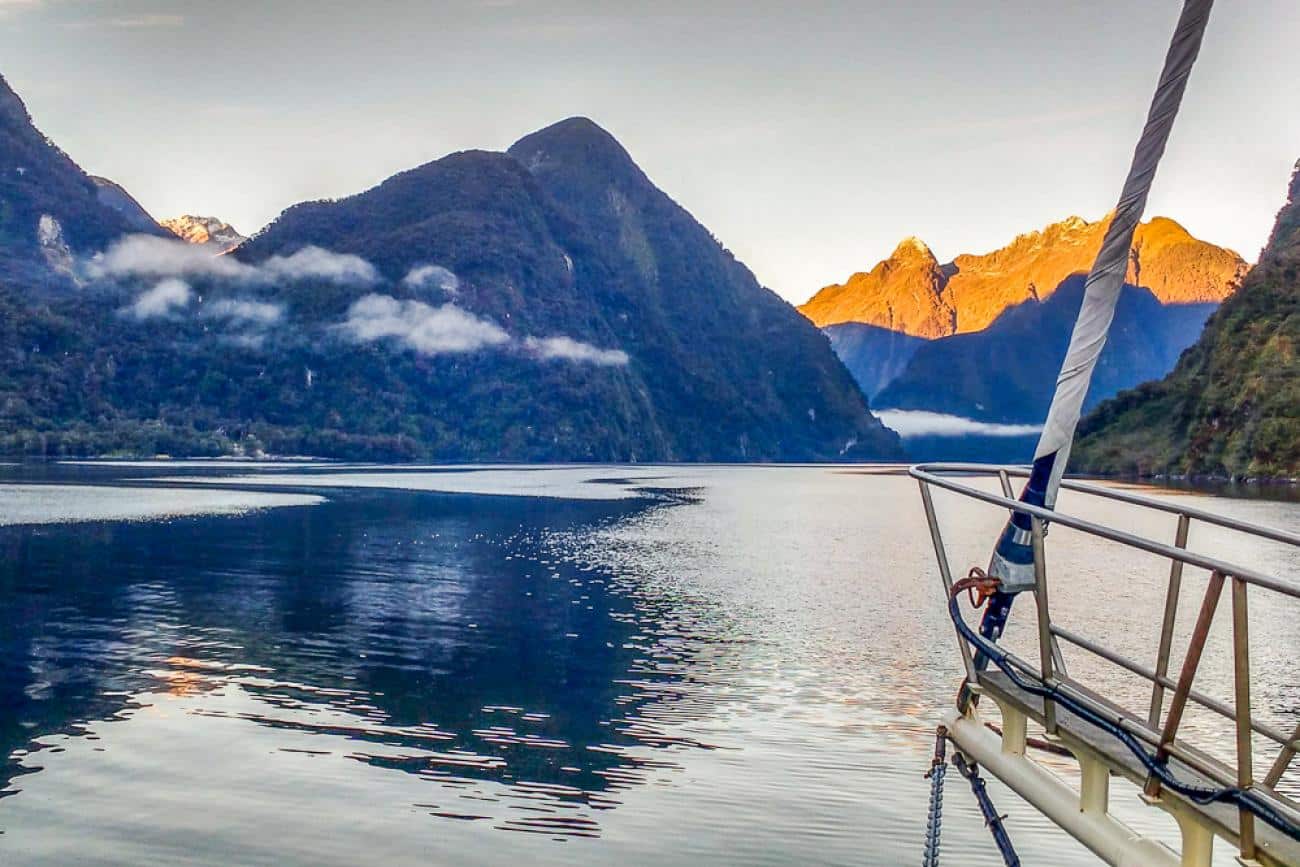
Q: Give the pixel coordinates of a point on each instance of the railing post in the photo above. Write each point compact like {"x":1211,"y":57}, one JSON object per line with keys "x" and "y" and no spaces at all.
{"x":1241,"y":682}
{"x":1044,"y":622}
{"x":1283,"y":760}
{"x":1167,"y":626}
{"x":1195,"y":645}
{"x":1007,"y":490}
{"x":945,"y":573}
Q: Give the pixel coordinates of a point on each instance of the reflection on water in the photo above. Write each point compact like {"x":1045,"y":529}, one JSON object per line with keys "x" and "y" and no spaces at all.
{"x":735,"y":666}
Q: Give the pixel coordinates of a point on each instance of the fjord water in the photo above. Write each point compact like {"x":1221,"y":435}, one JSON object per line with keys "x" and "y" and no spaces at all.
{"x":596,"y":665}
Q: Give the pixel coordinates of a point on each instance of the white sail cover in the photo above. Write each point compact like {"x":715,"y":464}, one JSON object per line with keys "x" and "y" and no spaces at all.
{"x":1106,"y":278}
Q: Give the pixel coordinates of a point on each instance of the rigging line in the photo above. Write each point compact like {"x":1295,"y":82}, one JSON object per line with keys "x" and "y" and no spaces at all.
{"x":1012,"y":561}
{"x":992,"y":819}
{"x":1106,"y":279}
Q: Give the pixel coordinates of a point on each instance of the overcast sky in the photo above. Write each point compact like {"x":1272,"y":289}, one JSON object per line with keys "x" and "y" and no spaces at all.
{"x":810,"y":137}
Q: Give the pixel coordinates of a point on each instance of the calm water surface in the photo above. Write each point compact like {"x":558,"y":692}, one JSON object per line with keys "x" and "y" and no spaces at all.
{"x":593,"y":666}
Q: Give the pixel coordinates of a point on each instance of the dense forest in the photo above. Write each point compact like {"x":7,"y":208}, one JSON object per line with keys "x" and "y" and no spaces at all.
{"x":1231,"y":407}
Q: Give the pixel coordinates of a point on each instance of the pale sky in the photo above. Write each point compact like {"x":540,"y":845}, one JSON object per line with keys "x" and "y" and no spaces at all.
{"x":809,"y":137}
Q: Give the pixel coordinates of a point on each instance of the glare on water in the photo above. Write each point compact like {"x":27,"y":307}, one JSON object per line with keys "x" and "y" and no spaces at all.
{"x":590,"y":665}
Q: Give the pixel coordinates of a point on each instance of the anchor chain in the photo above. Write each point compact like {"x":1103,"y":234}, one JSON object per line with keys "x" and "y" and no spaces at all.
{"x":934,"y":821}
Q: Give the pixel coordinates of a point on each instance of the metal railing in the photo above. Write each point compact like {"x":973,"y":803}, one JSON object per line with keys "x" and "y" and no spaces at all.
{"x":1160,"y":734}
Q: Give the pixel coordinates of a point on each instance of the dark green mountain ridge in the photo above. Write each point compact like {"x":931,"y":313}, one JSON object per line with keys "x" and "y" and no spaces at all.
{"x":1007,"y":372}
{"x":548,"y":303}
{"x":1231,"y":406}
{"x":39,"y":181}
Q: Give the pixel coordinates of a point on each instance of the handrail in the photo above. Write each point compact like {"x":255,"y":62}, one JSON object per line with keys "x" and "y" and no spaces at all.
{"x":1208,"y":702}
{"x":1240,"y":781}
{"x":927,"y":473}
{"x":1271,"y":533}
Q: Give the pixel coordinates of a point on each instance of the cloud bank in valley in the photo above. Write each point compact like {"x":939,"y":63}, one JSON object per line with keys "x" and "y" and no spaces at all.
{"x":244,"y":310}
{"x":147,"y":256}
{"x":918,"y":423}
{"x":317,"y":263}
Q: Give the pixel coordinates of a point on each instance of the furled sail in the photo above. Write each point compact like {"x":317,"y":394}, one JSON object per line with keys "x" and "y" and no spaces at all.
{"x":1012,"y":560}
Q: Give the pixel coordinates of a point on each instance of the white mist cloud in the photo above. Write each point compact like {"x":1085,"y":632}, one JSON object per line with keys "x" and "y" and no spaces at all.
{"x":432,"y":277}
{"x":170,"y":294}
{"x":428,"y":330}
{"x":568,"y":349}
{"x":255,"y":340}
{"x":321,"y":264}
{"x":243,"y":310}
{"x":917,"y":423}
{"x":149,"y":256}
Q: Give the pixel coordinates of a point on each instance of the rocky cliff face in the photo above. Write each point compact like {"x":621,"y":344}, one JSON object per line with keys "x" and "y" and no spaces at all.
{"x":1231,"y":406}
{"x":903,"y":293}
{"x":209,"y":231}
{"x":911,"y":292}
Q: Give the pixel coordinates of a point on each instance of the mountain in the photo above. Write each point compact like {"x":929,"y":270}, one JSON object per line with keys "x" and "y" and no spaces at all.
{"x":50,"y":210}
{"x":549,"y":303}
{"x":112,"y":194}
{"x":875,"y":356}
{"x":1007,"y":372}
{"x":563,"y":238}
{"x":210,"y":231}
{"x":920,"y":335}
{"x":911,"y":292}
{"x":1231,"y":406}
{"x":903,"y":293}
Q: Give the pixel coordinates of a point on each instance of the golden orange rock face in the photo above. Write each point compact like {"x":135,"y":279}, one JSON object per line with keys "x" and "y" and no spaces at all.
{"x":912,"y":293}
{"x":208,"y":231}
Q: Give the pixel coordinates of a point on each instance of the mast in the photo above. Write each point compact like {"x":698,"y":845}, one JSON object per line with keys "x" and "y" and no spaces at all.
{"x":1012,"y":561}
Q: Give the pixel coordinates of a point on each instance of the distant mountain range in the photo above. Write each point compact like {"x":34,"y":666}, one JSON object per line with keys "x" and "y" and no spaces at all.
{"x":209,"y":231}
{"x":913,"y":293}
{"x":1231,"y":406}
{"x":548,"y":303}
{"x":1007,"y":372}
{"x":982,"y":337}
{"x":875,"y":356}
